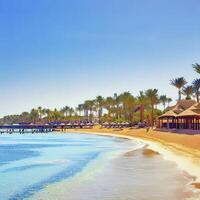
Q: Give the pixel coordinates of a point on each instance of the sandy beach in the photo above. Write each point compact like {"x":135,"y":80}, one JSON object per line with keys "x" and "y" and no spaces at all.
{"x":180,"y":148}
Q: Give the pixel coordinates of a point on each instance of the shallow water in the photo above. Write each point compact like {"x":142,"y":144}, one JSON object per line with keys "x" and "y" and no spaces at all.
{"x":86,"y":167}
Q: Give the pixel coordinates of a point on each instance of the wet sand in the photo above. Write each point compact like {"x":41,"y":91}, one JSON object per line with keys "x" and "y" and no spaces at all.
{"x":181,"y":148}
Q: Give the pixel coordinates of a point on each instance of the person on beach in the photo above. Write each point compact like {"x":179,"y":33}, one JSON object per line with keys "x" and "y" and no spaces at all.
{"x":147,"y":126}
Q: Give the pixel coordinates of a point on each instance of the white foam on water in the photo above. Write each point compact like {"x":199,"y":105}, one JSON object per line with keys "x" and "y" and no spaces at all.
{"x":183,"y":162}
{"x":61,"y":161}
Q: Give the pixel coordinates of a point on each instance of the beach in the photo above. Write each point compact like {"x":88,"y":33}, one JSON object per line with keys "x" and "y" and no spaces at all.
{"x":112,"y":164}
{"x":100,"y":100}
{"x":181,"y":148}
{"x":130,"y":167}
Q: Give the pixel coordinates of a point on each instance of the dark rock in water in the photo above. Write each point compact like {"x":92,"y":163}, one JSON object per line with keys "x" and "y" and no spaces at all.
{"x":149,"y":152}
{"x":196,"y":185}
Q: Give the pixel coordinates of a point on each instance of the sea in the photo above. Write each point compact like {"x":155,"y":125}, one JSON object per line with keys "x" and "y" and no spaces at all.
{"x":73,"y":166}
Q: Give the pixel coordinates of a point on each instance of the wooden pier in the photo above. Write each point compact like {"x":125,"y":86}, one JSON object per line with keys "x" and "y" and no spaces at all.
{"x":31,"y":128}
{"x":41,"y":128}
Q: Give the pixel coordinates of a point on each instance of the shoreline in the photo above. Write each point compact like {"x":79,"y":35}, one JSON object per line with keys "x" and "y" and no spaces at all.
{"x":117,"y":165}
{"x":169,"y":145}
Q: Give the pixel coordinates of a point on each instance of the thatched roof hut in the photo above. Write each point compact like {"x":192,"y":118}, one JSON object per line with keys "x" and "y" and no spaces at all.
{"x":184,"y":115}
{"x":192,"y":111}
{"x":169,"y":113}
{"x":180,"y":107}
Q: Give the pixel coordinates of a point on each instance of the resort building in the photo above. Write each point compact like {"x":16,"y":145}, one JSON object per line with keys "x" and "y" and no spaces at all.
{"x":184,"y":115}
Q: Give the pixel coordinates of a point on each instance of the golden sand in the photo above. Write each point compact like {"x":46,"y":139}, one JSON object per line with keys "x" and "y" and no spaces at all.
{"x":188,"y":143}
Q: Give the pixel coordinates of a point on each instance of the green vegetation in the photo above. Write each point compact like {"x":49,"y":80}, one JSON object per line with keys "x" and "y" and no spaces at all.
{"x":117,"y":108}
{"x":196,"y":67}
{"x":179,"y":84}
{"x":188,"y":90}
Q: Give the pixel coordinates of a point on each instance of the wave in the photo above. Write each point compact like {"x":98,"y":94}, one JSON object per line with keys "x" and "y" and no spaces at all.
{"x":69,"y":171}
{"x":38,"y":164}
{"x":184,"y":162}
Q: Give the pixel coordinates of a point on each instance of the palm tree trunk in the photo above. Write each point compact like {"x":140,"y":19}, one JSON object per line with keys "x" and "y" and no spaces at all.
{"x":118,"y":111}
{"x":141,"y":112}
{"x":152,"y":115}
{"x":164,"y":105}
{"x":179,"y":94}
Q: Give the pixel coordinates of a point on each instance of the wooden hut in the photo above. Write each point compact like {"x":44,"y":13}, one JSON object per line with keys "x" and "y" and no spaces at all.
{"x":171,"y":119}
{"x":167,"y":120}
{"x":190,"y":118}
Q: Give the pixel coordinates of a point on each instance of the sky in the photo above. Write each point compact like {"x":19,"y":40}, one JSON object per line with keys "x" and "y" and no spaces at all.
{"x":57,"y":53}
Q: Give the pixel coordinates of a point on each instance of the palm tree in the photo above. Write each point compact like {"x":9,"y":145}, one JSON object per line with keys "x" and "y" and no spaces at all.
{"x":34,"y":115}
{"x":196,"y":87}
{"x":142,"y":100}
{"x":99,"y":104}
{"x":169,"y":100}
{"x":128,"y":105}
{"x":188,"y":91}
{"x":57,"y":115}
{"x":116,"y":99}
{"x":39,"y":109}
{"x":80,"y":108}
{"x":91,"y":104}
{"x":196,"y":67}
{"x":48,"y":114}
{"x":163,"y":100}
{"x":65,"y":111}
{"x":152,"y":96}
{"x":71,"y":112}
{"x":178,"y":83}
{"x":108,"y":104}
{"x":88,"y":108}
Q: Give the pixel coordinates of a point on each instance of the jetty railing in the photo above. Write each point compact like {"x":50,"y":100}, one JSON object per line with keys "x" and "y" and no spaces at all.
{"x":41,"y":128}
{"x":25,"y":128}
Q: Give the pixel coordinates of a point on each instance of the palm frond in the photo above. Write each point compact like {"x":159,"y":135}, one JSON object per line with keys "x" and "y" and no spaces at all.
{"x":196,"y":67}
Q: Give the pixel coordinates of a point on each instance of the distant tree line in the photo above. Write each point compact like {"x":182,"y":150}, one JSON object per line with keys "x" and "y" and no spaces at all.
{"x":117,"y":108}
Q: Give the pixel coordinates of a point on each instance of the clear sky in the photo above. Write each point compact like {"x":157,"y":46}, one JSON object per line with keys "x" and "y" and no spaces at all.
{"x":61,"y":52}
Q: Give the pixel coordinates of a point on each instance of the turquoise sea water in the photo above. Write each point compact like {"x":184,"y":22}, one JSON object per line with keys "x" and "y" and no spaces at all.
{"x":30,"y":162}
{"x":70,"y":166}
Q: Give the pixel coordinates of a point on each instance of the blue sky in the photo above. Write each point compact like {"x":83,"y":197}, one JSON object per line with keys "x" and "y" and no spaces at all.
{"x":56,"y":53}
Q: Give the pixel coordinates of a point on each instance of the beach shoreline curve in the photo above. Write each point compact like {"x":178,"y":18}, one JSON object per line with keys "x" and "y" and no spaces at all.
{"x":186,"y":158}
